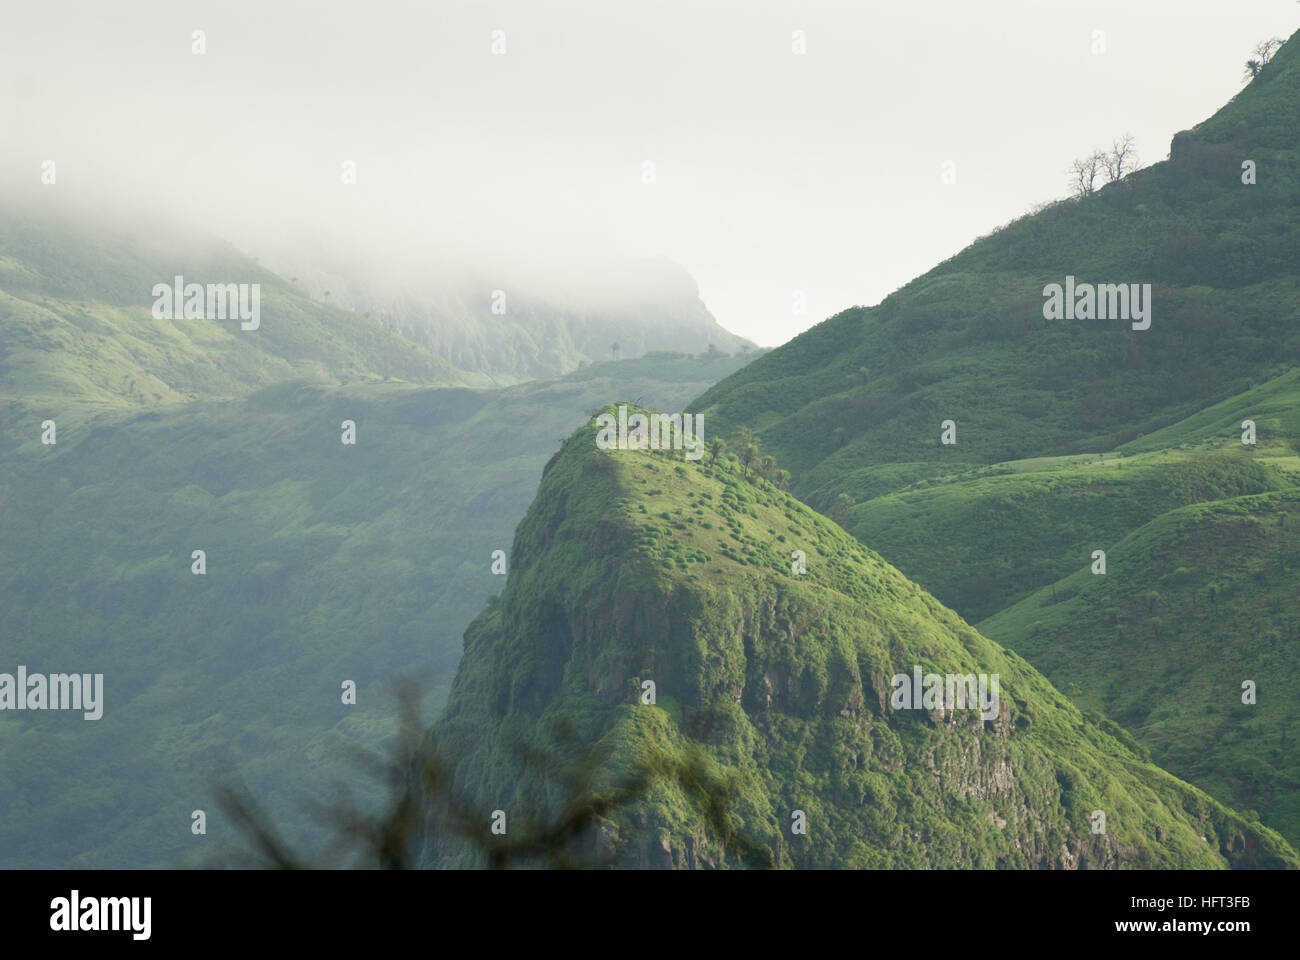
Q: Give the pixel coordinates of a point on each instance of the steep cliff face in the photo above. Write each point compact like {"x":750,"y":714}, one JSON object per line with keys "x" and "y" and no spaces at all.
{"x":780,"y":650}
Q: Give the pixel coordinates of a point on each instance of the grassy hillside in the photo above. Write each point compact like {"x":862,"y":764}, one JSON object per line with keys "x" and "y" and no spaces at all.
{"x":1192,"y":604}
{"x":76,"y":323}
{"x":325,"y":563}
{"x":991,"y":536}
{"x":639,"y":565}
{"x":1102,"y":638}
{"x":1074,"y":436}
{"x":987,"y":537}
{"x":984,"y":539}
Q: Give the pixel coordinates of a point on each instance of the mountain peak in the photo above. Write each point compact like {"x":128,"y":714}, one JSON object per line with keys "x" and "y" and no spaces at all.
{"x":658,"y":605}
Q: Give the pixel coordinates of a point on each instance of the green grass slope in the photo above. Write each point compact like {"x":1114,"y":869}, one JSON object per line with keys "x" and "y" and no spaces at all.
{"x":76,"y":323}
{"x":325,"y":563}
{"x":985,"y":539}
{"x":1192,"y":604}
{"x":994,"y":536}
{"x":639,"y":565}
{"x":1074,"y":436}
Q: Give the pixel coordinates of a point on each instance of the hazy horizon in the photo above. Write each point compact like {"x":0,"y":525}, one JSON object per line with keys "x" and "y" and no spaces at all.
{"x":533,"y":160}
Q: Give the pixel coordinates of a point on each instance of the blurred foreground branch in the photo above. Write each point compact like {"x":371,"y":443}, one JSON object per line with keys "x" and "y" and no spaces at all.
{"x":423,"y":807}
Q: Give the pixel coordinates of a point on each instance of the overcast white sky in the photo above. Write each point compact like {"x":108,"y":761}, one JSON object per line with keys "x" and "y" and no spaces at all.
{"x":775,"y":172}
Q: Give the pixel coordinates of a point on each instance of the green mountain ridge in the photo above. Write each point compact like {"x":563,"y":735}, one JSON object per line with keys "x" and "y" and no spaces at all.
{"x":77,"y":328}
{"x":1077,"y":436}
{"x":634,"y":565}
